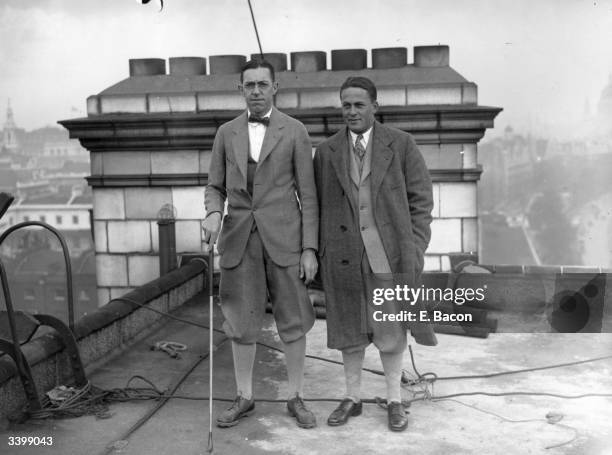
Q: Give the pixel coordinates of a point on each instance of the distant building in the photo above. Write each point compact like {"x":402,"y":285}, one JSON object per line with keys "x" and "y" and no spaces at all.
{"x":8,"y":180}
{"x":32,"y":153}
{"x":45,"y":171}
{"x":37,"y":280}
{"x":519,"y":169}
{"x":604,"y":109}
{"x":68,"y":213}
{"x":10,"y":143}
{"x":510,"y":167}
{"x":594,"y":222}
{"x":56,"y":154}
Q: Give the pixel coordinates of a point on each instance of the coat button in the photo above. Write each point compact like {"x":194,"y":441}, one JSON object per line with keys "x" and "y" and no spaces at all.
{"x":344,"y":262}
{"x":363,"y":228}
{"x":343,"y":228}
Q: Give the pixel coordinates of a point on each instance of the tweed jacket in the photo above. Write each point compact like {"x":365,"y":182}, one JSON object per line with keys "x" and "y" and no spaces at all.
{"x":284,"y":201}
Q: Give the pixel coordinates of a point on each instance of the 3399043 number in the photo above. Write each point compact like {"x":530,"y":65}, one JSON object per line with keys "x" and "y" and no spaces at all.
{"x":30,"y":440}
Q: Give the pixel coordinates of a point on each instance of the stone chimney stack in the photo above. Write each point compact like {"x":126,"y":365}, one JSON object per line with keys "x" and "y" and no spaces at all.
{"x":150,"y":138}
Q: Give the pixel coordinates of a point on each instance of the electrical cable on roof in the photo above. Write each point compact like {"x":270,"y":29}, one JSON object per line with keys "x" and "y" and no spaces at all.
{"x":428,"y":377}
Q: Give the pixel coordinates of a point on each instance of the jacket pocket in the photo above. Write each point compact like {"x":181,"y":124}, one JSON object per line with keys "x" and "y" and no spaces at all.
{"x":321,"y":252}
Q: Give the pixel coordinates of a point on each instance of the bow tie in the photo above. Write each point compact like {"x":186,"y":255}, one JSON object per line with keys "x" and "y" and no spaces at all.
{"x":265,"y":121}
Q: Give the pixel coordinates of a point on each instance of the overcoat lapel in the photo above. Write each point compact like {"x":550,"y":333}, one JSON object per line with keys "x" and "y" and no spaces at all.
{"x":381,"y":158}
{"x":340,"y":162}
{"x":240,"y":145}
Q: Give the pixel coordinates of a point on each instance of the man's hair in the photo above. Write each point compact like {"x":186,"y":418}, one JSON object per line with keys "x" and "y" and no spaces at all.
{"x":360,"y":82}
{"x":257,"y":63}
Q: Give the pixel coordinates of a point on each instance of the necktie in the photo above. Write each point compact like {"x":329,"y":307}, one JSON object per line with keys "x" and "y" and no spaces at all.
{"x":359,"y":149}
{"x":265,"y":121}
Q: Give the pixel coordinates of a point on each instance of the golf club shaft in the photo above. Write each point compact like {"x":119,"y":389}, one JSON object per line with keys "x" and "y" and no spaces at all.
{"x":211,"y":268}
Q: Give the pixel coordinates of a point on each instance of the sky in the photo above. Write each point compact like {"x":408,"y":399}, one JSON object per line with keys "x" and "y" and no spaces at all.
{"x":544,"y":62}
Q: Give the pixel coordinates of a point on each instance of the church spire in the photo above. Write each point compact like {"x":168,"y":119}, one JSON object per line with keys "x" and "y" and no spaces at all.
{"x":9,"y":136}
{"x":10,"y":120}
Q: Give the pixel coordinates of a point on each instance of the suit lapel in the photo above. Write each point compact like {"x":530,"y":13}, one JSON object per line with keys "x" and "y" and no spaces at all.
{"x":273,"y":134}
{"x":381,"y":158}
{"x":240,"y":144}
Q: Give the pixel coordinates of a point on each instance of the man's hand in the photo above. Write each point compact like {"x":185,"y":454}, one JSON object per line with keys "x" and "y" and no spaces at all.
{"x":210,"y":226}
{"x":308,"y":265}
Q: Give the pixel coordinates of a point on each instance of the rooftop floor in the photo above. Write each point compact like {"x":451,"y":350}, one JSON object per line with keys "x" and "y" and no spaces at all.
{"x":465,"y":426}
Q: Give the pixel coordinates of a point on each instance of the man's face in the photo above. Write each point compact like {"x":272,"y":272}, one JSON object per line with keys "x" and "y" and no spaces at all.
{"x":357,"y":109}
{"x":258,"y":90}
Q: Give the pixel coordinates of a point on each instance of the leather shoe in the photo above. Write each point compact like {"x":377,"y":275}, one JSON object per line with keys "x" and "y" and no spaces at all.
{"x":347,"y":408}
{"x":241,"y":407}
{"x":305,"y":418}
{"x":398,"y":420}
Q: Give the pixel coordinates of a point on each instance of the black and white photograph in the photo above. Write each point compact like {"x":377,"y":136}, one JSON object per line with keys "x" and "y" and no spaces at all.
{"x":305,"y":227}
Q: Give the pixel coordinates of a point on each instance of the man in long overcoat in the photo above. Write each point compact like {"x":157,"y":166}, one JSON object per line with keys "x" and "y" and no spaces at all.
{"x":375,"y":202}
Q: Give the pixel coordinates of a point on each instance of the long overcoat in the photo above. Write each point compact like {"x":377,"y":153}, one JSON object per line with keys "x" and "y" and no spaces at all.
{"x":402,"y":202}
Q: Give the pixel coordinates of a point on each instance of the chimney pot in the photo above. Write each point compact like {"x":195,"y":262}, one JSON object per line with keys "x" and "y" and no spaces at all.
{"x":349,"y":59}
{"x":306,"y":62}
{"x":147,"y":66}
{"x":226,"y":64}
{"x":431,"y":56}
{"x":389,"y":57}
{"x":187,"y":66}
{"x":277,"y":59}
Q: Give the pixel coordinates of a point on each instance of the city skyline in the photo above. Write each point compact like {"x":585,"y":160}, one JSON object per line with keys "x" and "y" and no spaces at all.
{"x":544,"y":64}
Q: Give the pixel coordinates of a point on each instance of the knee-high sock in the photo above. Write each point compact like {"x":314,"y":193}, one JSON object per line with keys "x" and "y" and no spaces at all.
{"x":353,"y":362}
{"x":294,"y":358}
{"x":392,"y":366}
{"x":244,"y":358}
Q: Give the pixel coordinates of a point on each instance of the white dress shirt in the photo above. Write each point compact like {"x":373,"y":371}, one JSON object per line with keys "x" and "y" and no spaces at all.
{"x":257,"y":131}
{"x":366,"y":138}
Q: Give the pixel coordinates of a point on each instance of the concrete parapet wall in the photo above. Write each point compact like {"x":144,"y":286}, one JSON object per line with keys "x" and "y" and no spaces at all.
{"x":100,"y":334}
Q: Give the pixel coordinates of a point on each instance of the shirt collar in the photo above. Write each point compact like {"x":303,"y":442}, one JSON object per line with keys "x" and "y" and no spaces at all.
{"x":267,"y":114}
{"x":366,"y":136}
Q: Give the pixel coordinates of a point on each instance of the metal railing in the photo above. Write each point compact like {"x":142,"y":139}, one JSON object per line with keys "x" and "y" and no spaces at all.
{"x":62,"y":241}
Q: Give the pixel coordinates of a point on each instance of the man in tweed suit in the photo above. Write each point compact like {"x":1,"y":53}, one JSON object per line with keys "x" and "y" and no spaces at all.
{"x":262,"y":165}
